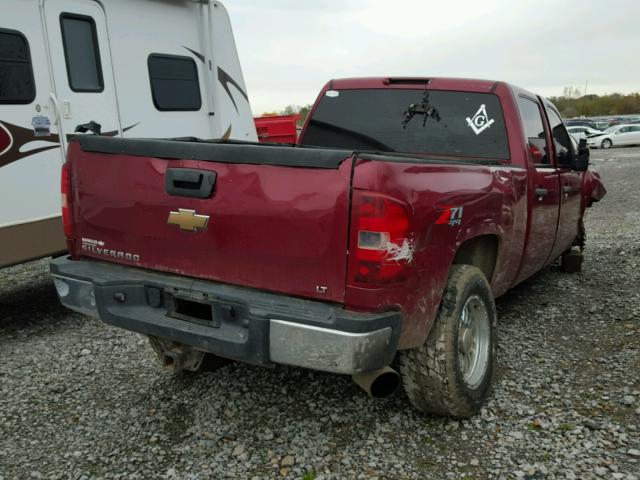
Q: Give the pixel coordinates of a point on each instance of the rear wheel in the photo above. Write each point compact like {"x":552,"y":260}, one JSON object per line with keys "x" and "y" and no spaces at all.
{"x":452,"y":372}
{"x":606,"y":143}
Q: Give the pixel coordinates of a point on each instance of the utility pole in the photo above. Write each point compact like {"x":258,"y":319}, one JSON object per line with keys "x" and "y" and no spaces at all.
{"x":586,"y":82}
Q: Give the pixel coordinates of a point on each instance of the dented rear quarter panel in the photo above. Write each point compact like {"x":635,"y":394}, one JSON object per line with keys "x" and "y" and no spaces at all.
{"x":493,"y":199}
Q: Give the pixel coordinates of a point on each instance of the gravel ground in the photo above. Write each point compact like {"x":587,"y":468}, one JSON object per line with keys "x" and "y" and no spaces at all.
{"x":80,"y":400}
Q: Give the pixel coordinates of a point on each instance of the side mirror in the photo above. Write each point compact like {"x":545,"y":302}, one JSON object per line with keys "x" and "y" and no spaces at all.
{"x":581,"y":159}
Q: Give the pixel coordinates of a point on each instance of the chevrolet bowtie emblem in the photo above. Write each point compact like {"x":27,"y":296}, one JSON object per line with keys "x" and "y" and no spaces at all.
{"x":188,"y":220}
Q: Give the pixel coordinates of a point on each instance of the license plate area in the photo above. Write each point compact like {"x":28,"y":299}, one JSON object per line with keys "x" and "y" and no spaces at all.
{"x":193,"y":311}
{"x":206,"y":310}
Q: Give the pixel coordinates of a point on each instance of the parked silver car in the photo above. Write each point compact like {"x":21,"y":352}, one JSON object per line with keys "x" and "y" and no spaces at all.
{"x":579,"y":131}
{"x":618,"y":135}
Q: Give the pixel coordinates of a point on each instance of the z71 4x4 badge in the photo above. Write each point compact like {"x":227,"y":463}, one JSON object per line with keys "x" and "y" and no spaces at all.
{"x":451,"y":216}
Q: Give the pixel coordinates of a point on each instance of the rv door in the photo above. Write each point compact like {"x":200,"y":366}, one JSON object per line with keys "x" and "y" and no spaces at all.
{"x":80,"y":57}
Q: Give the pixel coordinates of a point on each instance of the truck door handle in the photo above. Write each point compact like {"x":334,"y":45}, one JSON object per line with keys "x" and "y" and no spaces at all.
{"x":541,"y":192}
{"x":189,"y":182}
{"x":568,"y":189}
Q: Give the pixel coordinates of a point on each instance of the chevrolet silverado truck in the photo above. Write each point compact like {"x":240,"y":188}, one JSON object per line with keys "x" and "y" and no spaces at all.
{"x":374,"y":247}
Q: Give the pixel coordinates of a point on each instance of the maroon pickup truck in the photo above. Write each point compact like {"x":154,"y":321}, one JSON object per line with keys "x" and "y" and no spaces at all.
{"x":377,"y":244}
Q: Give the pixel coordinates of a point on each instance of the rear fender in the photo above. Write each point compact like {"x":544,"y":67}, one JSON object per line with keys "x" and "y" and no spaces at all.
{"x":480,"y":247}
{"x":452,"y":204}
{"x":477,"y":242}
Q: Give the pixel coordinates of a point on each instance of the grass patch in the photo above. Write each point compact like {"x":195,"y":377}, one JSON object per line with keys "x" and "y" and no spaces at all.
{"x":565,"y":427}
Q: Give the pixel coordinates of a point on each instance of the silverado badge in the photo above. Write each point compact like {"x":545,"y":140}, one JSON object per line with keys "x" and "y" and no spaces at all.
{"x":188,"y":220}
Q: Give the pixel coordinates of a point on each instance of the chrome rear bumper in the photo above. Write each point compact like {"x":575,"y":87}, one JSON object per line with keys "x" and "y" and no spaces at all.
{"x":324,"y":348}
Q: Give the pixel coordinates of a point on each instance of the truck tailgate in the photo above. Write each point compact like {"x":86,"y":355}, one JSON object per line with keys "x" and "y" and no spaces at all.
{"x":277,"y":218}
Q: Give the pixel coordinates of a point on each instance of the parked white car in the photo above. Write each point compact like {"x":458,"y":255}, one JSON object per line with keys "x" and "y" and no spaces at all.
{"x":578,"y":132}
{"x":617,"y":136}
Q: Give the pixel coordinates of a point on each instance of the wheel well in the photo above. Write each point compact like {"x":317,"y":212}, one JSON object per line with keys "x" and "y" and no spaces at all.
{"x":481,"y":252}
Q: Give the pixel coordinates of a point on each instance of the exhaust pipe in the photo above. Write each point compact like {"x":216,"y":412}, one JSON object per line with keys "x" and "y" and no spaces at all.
{"x":378,"y":383}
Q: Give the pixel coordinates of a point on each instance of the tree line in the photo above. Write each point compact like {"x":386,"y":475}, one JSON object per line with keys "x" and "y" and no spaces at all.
{"x":302,"y":110}
{"x":598,"y":105}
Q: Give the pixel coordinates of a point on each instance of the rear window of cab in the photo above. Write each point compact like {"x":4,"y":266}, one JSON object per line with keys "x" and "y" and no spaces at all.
{"x":463,"y":124}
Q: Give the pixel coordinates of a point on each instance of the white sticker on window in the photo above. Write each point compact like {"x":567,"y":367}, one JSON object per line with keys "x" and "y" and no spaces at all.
{"x":480,"y":121}
{"x":332,"y":93}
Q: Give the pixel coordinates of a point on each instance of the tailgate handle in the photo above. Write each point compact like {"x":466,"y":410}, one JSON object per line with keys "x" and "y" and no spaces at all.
{"x":189,"y":182}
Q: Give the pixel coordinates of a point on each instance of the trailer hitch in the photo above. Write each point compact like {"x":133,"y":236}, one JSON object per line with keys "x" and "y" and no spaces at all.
{"x":175,"y":356}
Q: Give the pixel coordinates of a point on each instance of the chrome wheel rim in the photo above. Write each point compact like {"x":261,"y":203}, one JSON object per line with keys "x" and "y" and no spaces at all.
{"x":474,"y":341}
{"x":606,"y":144}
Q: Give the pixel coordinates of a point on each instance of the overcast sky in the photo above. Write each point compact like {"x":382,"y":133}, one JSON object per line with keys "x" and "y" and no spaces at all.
{"x":290,"y":48}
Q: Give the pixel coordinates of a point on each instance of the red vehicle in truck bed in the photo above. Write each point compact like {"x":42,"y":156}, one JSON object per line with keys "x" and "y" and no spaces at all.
{"x":381,"y":239}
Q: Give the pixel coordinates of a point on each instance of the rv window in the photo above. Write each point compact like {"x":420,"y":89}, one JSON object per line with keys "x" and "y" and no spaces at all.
{"x":16,"y":73}
{"x":174,"y":83}
{"x":81,"y":52}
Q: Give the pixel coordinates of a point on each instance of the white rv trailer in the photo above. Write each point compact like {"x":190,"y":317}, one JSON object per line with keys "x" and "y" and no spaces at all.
{"x":138,"y":68}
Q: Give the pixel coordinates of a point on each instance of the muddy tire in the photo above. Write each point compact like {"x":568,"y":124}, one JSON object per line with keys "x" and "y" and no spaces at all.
{"x":452,"y":372}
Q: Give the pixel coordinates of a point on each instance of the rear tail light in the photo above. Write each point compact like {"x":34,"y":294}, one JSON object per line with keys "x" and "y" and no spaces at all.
{"x":65,"y":190}
{"x":380,"y":249}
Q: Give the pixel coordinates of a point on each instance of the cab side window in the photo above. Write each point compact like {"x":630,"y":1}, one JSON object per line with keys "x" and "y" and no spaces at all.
{"x":561,"y":138}
{"x":534,"y":130}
